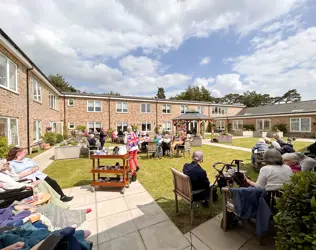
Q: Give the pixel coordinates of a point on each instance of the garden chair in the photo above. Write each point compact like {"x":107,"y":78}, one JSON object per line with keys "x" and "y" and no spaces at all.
{"x":258,"y":160}
{"x":151,"y":148}
{"x":183,"y":188}
{"x":91,"y":148}
{"x":184,"y":148}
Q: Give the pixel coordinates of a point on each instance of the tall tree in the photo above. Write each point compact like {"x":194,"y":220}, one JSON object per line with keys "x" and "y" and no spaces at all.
{"x":254,"y":99}
{"x":161,"y":93}
{"x":290,"y":96}
{"x":61,"y":84}
{"x":195,"y":93}
{"x":112,"y":93}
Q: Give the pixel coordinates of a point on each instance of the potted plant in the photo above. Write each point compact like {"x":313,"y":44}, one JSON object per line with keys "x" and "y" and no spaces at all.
{"x":49,"y":139}
{"x":225,"y":137}
{"x":48,"y":129}
{"x":278,"y":129}
{"x":67,"y":150}
{"x":259,"y":134}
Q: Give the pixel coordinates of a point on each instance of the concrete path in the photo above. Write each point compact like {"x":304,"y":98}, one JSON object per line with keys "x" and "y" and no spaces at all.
{"x":45,"y":159}
{"x":207,"y":142}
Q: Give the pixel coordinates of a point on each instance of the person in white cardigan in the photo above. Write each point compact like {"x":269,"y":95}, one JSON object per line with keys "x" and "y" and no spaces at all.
{"x":275,"y":174}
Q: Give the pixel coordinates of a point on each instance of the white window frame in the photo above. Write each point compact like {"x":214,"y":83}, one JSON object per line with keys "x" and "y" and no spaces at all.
{"x":146,"y":123}
{"x":7,"y":86}
{"x":37,"y":87}
{"x":300,"y":124}
{"x":222,"y":124}
{"x":236,"y":124}
{"x":8,"y":129}
{"x":122,"y":125}
{"x":165,"y":108}
{"x":146,"y":108}
{"x":71,"y":123}
{"x":120,"y":109}
{"x":94,"y":126}
{"x":200,"y":109}
{"x":55,"y":101}
{"x":39,"y":130}
{"x":263,"y":122}
{"x":94,"y":106}
{"x":165,"y":126}
{"x":219,"y":110}
{"x":71,"y":105}
{"x":183,"y":109}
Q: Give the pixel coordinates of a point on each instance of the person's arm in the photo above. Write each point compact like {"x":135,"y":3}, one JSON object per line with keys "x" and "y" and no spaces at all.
{"x":28,"y":172}
{"x":205,"y":178}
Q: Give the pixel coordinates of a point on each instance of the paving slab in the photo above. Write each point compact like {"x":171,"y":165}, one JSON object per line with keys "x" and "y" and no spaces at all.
{"x":131,"y":241}
{"x":112,"y":227}
{"x":207,"y":142}
{"x":148,"y":215}
{"x":254,"y":244}
{"x":134,"y":188}
{"x":164,"y":235}
{"x":81,"y":190}
{"x":104,"y":195}
{"x":196,"y":242}
{"x":93,"y":214}
{"x":93,"y":228}
{"x":82,"y":200}
{"x":140,"y":199}
{"x":215,"y":238}
{"x":109,"y":207}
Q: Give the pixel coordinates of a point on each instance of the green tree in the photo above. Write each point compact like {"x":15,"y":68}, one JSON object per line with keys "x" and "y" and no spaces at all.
{"x":61,"y":84}
{"x":232,"y":98}
{"x":112,"y":93}
{"x":290,"y":96}
{"x":161,"y":93}
{"x":254,"y":99}
{"x":195,"y":93}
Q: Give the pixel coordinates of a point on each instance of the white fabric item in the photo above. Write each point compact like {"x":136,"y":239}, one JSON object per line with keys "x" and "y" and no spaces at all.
{"x":275,"y":145}
{"x":9,"y":183}
{"x":272,"y":177}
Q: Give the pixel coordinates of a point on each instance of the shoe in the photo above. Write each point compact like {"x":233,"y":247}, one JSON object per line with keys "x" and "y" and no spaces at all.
{"x":204,"y":203}
{"x":137,"y":168}
{"x":88,"y":210}
{"x":66,"y":198}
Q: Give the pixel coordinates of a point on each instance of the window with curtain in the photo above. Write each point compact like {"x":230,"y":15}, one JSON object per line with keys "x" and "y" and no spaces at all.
{"x":220,"y":125}
{"x":166,"y":126}
{"x":263,"y":124}
{"x":9,"y":129}
{"x":121,"y":107}
{"x":146,"y":126}
{"x":94,"y":106}
{"x":121,"y":126}
{"x":8,"y":73}
{"x":93,"y":126}
{"x":183,"y":109}
{"x":37,"y":90}
{"x":146,"y":108}
{"x":166,"y":108}
{"x":300,"y":124}
{"x":37,"y":130}
{"x":238,"y":125}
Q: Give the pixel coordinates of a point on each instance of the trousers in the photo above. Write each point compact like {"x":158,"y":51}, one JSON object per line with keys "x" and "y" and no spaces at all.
{"x":133,"y":163}
{"x":54,"y":185}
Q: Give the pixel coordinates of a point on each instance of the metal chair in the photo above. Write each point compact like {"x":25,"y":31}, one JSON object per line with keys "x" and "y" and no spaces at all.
{"x":90,"y":150}
{"x":184,"y":148}
{"x":258,"y":160}
{"x":151,"y":148}
{"x":183,"y":188}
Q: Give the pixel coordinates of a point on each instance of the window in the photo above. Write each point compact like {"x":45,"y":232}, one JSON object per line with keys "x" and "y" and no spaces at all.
{"x":9,"y":129}
{"x":94,"y":106}
{"x":121,"y":126}
{"x":57,"y":127}
{"x":219,"y":110}
{"x":238,"y":125}
{"x":53,"y":101}
{"x":183,"y":109}
{"x":37,"y":130}
{"x":166,"y":109}
{"x":71,"y":125}
{"x":166,"y":126}
{"x":37,"y":90}
{"x":92,"y":126}
{"x":200,"y":109}
{"x":146,"y":126}
{"x":145,"y":108}
{"x":121,"y":107}
{"x":8,"y":73}
{"x":263,"y":124}
{"x":220,"y":125}
{"x":300,"y":124}
{"x":70,"y":102}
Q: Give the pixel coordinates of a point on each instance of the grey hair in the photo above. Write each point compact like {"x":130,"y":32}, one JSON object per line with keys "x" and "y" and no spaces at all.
{"x":267,"y":140}
{"x":197,"y":156}
{"x":300,"y":155}
{"x":129,"y":129}
{"x":273,"y":157}
{"x":291,"y":157}
{"x":261,"y":140}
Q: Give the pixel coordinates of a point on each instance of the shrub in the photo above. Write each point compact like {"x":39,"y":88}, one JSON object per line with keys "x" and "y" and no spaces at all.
{"x":280,"y":127}
{"x":65,"y":133}
{"x":49,"y":137}
{"x":296,"y":219}
{"x":59,"y":138}
{"x":249,"y":127}
{"x":81,"y":128}
{"x":109,"y":131}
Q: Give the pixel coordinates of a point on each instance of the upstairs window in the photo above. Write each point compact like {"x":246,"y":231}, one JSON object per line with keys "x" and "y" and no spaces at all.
{"x":121,"y":107}
{"x":94,"y":106}
{"x":219,"y":110}
{"x":200,"y":109}
{"x":70,"y":102}
{"x":37,"y":90}
{"x":8,"y":73}
{"x":145,"y":108}
{"x":183,"y":109}
{"x":166,"y":108}
{"x":53,"y":101}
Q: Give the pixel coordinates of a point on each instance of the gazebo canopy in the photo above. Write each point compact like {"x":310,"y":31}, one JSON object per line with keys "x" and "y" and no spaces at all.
{"x":192,"y":116}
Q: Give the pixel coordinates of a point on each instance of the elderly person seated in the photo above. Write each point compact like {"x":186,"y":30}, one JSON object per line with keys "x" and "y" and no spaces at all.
{"x":166,"y":143}
{"x":292,"y":160}
{"x":198,"y":177}
{"x":260,"y":147}
{"x":275,"y":174}
{"x":279,"y":140}
{"x":272,"y":144}
{"x":92,"y":142}
{"x":306,"y":163}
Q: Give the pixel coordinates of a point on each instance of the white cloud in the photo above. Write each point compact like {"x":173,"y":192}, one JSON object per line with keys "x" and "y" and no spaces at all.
{"x":289,"y":23}
{"x":205,"y":60}
{"x":260,"y":41}
{"x":139,"y":66}
{"x":203,"y":82}
{"x":229,"y":83}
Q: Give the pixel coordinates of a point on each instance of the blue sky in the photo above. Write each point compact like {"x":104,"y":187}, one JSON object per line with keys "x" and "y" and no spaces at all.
{"x":134,"y":46}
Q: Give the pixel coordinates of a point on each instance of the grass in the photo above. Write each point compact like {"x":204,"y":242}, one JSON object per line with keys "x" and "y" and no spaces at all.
{"x":155,"y":176}
{"x":32,"y":155}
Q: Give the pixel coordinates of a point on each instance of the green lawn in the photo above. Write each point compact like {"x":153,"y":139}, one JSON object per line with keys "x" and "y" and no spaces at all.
{"x":32,"y":155}
{"x":155,"y":176}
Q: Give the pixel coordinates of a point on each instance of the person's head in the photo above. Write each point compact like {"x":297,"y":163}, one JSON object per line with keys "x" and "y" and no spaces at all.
{"x":290,"y":159}
{"x":276,"y":136}
{"x":261,"y":140}
{"x":300,"y":156}
{"x":273,"y":157}
{"x":197,"y":156}
{"x":129,"y":129}
{"x":267,"y":140}
{"x":16,"y":153}
{"x":4,"y":166}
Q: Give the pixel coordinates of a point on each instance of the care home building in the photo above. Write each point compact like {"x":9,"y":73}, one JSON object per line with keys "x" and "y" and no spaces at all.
{"x":29,"y":104}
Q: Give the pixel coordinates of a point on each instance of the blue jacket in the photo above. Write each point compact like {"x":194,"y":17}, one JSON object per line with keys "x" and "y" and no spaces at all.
{"x":261,"y":147}
{"x":197,"y":176}
{"x":250,"y":203}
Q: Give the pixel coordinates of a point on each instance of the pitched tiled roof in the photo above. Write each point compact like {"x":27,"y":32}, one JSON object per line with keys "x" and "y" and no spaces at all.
{"x":286,"y":108}
{"x":192,"y":115}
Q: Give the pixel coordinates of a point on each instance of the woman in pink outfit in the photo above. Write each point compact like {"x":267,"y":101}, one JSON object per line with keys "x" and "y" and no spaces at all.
{"x":132,"y":148}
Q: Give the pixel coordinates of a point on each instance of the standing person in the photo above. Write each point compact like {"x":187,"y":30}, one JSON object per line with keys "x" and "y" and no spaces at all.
{"x":102,"y":138}
{"x":132,"y":148}
{"x":19,"y":163}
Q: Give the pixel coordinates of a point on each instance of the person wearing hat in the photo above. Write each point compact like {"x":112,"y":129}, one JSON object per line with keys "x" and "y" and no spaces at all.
{"x":198,"y":178}
{"x":306,"y":163}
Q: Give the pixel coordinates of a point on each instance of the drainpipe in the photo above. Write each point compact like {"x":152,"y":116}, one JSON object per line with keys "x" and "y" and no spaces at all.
{"x":28,"y":111}
{"x":64,"y":111}
{"x":109,"y":113}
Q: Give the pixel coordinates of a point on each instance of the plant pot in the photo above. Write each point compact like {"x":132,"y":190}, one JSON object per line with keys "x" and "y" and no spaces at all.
{"x":259,"y":134}
{"x":271,"y":133}
{"x":134,"y":177}
{"x":46,"y":146}
{"x":67,"y":152}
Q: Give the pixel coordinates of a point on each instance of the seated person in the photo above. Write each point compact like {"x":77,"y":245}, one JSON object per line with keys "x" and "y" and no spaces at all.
{"x":292,"y":160}
{"x":311,"y":149}
{"x":120,"y":133}
{"x":279,"y":140}
{"x":8,"y":180}
{"x":92,"y":142}
{"x":156,"y":140}
{"x":275,"y":174}
{"x":286,"y":148}
{"x":193,"y":132}
{"x":166,"y":143}
{"x":18,"y":163}
{"x":260,"y":146}
{"x":306,"y":163}
{"x":272,"y":144}
{"x":198,"y":178}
